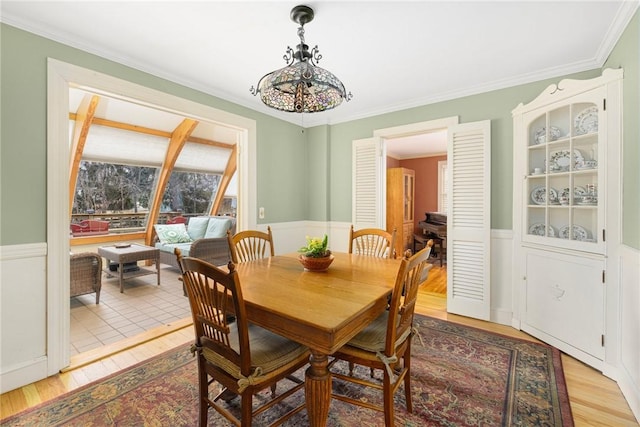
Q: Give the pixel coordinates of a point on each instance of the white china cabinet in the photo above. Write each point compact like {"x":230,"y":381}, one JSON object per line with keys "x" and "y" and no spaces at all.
{"x":566,"y":213}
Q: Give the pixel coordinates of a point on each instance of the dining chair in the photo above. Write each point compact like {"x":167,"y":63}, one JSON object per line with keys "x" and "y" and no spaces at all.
{"x":385,"y":344}
{"x":250,"y":245}
{"x":372,"y":242}
{"x":243,"y":358}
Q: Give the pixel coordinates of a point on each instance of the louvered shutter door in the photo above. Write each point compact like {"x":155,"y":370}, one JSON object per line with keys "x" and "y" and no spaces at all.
{"x":469,"y":220}
{"x":368,"y":184}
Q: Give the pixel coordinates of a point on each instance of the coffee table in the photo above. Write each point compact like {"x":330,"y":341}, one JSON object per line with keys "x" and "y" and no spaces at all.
{"x":127,"y":253}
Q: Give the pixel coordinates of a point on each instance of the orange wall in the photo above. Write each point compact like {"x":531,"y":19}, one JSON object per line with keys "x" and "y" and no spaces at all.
{"x":426,"y":193}
{"x":392,"y":163}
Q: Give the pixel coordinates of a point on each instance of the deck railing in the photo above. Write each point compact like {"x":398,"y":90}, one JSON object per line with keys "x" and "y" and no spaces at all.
{"x":126,"y":222}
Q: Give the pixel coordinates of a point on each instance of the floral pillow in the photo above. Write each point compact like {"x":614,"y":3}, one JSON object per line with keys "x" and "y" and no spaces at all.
{"x":172,"y":233}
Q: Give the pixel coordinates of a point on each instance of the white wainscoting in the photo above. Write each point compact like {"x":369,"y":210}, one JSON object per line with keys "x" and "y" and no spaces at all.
{"x":628,"y":377}
{"x":291,"y":236}
{"x":501,"y":278}
{"x":23,"y":315}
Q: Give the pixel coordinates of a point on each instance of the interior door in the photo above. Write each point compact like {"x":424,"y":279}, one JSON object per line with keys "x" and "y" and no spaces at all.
{"x":469,"y":220}
{"x":369,"y":182}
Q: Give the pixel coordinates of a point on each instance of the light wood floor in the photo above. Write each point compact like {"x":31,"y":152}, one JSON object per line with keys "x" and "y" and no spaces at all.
{"x":595,"y":399}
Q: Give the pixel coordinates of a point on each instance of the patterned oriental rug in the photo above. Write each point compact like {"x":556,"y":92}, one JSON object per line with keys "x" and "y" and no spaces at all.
{"x":461,"y":376}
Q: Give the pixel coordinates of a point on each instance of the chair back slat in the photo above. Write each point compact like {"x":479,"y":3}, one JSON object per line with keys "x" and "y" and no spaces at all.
{"x":250,"y":245}
{"x":372,"y":242}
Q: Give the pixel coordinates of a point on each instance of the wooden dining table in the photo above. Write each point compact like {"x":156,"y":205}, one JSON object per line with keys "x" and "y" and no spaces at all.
{"x":322,"y":310}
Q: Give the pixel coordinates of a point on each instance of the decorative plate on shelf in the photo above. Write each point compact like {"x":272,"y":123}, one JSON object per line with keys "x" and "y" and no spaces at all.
{"x":539,"y":196}
{"x":588,"y":201}
{"x":561,"y":160}
{"x":578,"y":192}
{"x":587,"y":121}
{"x":578,"y":233}
{"x":540,"y":136}
{"x":587,"y":166}
{"x":538,"y":230}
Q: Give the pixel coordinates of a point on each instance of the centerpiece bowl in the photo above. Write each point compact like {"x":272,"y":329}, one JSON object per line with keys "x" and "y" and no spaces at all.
{"x":316,"y":264}
{"x":315,"y":256}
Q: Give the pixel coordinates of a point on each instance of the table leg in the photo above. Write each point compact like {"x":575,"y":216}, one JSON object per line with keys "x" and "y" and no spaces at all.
{"x":121,"y":269}
{"x":317,"y":387}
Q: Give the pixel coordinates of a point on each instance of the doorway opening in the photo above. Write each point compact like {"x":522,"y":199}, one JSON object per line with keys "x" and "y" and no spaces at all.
{"x":422,"y":148}
{"x":61,"y":78}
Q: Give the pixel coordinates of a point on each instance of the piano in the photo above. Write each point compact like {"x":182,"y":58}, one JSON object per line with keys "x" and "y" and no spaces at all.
{"x":434,"y":227}
{"x":435,"y":223}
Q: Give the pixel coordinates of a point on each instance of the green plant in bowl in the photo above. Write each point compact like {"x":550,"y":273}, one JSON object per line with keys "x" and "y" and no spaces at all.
{"x":316,"y":247}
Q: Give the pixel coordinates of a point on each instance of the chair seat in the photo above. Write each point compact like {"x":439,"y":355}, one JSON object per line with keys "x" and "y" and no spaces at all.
{"x":269,"y":351}
{"x":372,"y":338}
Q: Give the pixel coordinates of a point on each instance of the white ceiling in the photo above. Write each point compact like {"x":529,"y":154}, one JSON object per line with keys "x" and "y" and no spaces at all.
{"x":391,"y":55}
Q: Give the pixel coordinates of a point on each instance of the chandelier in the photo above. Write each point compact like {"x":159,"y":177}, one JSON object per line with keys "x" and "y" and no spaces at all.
{"x":301,"y":86}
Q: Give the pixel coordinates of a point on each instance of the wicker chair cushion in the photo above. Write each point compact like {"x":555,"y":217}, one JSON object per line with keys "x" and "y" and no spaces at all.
{"x":217,"y":227}
{"x":372,"y":338}
{"x":198,"y":227}
{"x":269,"y":351}
{"x":172,"y":233}
{"x":169,"y":247}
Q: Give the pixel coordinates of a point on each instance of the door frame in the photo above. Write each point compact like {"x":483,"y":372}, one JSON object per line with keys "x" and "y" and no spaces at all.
{"x":60,"y":77}
{"x":408,"y":130}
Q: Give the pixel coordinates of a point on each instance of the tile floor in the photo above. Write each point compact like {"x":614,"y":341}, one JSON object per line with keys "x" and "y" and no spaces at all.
{"x":143,"y":305}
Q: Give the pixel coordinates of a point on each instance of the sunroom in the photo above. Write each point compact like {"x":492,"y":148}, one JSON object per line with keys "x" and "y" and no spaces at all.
{"x":133,"y":166}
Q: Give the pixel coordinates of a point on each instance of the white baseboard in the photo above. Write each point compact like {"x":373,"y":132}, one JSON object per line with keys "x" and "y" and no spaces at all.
{"x":631,"y":393}
{"x":19,"y":375}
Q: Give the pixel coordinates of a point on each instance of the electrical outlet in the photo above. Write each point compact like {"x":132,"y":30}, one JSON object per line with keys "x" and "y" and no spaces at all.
{"x":261,"y":213}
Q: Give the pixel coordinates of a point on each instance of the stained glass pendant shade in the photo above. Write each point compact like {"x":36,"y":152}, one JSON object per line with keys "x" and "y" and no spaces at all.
{"x":301,"y":86}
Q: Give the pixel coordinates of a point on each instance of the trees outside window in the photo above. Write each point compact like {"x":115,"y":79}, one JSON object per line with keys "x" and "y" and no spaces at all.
{"x":190,"y":193}
{"x":107,"y":187}
{"x":122,"y":194}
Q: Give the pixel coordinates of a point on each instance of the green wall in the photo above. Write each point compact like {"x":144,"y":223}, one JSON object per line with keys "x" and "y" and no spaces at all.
{"x":23,"y":136}
{"x":318,"y":174}
{"x":302,"y":174}
{"x":497,"y":106}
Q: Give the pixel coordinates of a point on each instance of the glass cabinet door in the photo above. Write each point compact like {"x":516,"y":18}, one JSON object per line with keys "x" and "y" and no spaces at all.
{"x":563,"y":177}
{"x":408,"y":196}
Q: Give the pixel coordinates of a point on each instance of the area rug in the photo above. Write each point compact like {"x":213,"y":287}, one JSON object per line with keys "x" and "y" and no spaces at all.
{"x":461,"y":376}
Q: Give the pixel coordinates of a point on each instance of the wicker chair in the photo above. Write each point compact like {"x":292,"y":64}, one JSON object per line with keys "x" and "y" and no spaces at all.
{"x":372,"y":242}
{"x":86,"y":274}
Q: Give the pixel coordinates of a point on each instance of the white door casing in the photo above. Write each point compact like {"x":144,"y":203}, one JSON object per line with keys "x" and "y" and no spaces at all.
{"x":60,"y":77}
